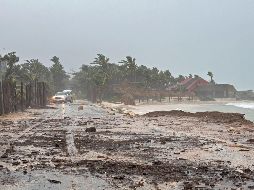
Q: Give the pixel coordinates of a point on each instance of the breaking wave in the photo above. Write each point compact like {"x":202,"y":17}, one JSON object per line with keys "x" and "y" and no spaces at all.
{"x":245,"y":105}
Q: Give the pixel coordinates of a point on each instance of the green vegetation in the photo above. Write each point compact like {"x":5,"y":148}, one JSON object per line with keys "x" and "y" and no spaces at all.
{"x":34,"y":70}
{"x":12,"y":68}
{"x":95,"y":81}
{"x":58,"y":74}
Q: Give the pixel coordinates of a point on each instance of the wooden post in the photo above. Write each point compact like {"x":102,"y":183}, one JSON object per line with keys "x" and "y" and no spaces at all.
{"x":35,"y":94}
{"x":30,"y":94}
{"x":40,"y":94}
{"x":6,"y":99}
{"x":21,"y":97}
{"x":1,"y":99}
{"x":3,"y":92}
{"x":44,"y":94}
{"x":13,"y":100}
{"x":14,"y":93}
{"x":26,"y":96}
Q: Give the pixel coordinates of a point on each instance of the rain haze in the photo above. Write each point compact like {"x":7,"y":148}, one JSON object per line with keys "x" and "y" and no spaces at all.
{"x":126,"y":94}
{"x":191,"y":36}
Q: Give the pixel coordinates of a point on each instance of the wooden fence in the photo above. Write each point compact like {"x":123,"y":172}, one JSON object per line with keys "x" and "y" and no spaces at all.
{"x":19,"y":96}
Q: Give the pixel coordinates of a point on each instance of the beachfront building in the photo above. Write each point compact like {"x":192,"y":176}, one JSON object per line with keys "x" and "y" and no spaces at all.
{"x":245,"y":95}
{"x":216,"y":91}
{"x":190,"y":85}
{"x":203,"y":89}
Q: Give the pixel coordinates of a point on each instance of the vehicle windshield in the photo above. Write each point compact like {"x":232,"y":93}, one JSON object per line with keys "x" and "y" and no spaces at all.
{"x":60,"y":94}
{"x":67,"y":91}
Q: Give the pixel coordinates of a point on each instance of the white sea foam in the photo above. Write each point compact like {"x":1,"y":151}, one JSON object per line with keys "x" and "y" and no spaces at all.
{"x":245,"y":105}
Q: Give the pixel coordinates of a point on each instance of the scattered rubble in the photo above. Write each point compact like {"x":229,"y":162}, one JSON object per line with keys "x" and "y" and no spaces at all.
{"x":177,"y":150}
{"x":54,"y":181}
{"x":91,"y":129}
{"x":80,"y":108}
{"x":216,"y":117}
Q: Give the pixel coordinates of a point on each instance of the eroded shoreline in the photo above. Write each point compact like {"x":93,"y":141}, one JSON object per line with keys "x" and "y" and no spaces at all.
{"x":157,"y":151}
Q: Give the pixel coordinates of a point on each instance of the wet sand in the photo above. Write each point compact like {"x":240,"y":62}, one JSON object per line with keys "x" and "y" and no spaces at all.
{"x":160,"y":150}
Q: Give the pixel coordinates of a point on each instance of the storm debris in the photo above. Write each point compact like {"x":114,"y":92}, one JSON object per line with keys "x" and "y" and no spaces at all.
{"x":140,"y":152}
{"x":54,"y":181}
{"x":91,"y":129}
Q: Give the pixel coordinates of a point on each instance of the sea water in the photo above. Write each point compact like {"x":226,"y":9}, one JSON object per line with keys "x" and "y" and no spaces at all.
{"x":246,"y":108}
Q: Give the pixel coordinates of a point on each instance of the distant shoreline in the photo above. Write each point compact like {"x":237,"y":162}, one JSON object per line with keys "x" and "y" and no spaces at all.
{"x":225,"y":106}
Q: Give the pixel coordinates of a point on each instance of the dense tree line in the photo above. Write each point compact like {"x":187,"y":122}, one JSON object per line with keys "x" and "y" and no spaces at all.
{"x":33,"y":70}
{"x":94,"y":81}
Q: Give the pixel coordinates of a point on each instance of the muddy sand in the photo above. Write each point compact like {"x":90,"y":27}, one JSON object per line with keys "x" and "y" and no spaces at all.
{"x":99,"y":148}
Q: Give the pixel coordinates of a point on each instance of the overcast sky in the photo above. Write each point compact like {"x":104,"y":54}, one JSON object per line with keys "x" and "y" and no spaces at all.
{"x":184,"y":36}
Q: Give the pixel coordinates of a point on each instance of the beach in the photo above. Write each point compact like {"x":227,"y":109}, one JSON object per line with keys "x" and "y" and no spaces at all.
{"x":109,"y":147}
{"x":228,"y":106}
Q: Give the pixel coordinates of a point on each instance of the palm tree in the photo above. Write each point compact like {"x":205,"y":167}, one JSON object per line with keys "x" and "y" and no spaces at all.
{"x":130,"y":63}
{"x":12,"y":68}
{"x":101,"y":74}
{"x":104,"y":66}
{"x":180,"y":78}
{"x":101,"y":60}
{"x":58,"y":74}
{"x":34,"y":70}
{"x":210,"y":74}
